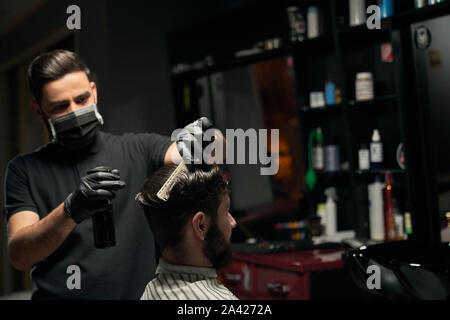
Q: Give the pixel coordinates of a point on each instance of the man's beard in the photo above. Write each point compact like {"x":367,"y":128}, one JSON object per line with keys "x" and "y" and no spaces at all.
{"x":217,"y":249}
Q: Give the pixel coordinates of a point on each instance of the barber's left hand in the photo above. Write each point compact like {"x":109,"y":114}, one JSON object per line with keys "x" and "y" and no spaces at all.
{"x":191,"y":142}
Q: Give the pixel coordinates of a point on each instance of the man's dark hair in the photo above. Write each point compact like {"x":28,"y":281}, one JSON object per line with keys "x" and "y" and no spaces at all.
{"x":193,"y":191}
{"x":50,"y":66}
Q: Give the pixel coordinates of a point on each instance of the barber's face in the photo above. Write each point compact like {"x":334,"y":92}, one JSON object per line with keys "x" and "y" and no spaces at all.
{"x":217,"y":242}
{"x":70,"y":93}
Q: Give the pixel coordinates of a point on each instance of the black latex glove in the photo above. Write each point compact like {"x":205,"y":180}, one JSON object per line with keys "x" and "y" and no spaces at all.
{"x":190,"y":143}
{"x":93,"y":194}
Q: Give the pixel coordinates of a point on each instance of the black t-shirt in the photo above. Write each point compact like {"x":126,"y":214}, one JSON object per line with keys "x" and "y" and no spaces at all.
{"x":41,"y":180}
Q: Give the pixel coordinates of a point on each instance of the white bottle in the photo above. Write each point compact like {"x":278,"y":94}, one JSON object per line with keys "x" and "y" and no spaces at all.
{"x":357,"y":12}
{"x":312,"y":18}
{"x":364,"y":157}
{"x":331,"y":212}
{"x":376,"y":150}
{"x":364,"y":86}
{"x":376,"y":215}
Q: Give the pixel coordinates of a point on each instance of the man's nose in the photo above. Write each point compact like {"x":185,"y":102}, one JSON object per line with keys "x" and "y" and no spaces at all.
{"x":232,"y":222}
{"x":73,"y":106}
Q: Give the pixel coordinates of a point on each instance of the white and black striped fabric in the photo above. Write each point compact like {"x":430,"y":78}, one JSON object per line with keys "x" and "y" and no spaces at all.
{"x":174,"y":282}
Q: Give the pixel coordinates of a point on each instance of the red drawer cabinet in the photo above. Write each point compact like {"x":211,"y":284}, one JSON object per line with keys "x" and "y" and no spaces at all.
{"x":278,"y":275}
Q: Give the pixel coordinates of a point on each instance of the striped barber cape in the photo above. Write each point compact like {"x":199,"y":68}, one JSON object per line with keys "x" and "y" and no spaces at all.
{"x":175,"y":282}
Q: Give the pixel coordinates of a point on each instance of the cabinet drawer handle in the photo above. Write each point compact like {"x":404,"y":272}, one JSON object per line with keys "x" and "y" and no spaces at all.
{"x":233,"y":277}
{"x":278,"y":289}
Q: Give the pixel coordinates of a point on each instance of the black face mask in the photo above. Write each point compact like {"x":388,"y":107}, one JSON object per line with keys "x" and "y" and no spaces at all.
{"x":76,"y":130}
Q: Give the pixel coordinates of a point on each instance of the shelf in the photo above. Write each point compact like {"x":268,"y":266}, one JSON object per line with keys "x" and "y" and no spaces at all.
{"x":320,"y":43}
{"x":234,"y":63}
{"x":380,"y":171}
{"x":328,"y":107}
{"x":336,"y":173}
{"x":421,"y":14}
{"x":357,"y":35}
{"x":373,"y":101}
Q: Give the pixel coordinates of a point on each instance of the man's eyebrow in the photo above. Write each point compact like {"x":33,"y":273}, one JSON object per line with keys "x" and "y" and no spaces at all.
{"x":53,"y":103}
{"x":84,"y":94}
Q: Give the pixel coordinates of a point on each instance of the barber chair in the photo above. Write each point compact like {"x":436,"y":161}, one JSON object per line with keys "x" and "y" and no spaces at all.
{"x":408,"y":270}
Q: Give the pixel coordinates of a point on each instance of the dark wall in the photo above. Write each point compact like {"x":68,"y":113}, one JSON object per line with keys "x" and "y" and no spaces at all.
{"x":124,"y":45}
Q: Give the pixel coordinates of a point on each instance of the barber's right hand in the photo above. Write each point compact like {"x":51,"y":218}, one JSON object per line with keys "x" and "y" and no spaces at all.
{"x":93,"y":194}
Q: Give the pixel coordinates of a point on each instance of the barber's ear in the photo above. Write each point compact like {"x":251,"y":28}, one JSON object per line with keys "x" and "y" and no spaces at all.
{"x":94,"y":91}
{"x":36,"y":109}
{"x":200,"y":225}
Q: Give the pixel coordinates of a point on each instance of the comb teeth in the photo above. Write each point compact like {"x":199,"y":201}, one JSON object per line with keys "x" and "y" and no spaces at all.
{"x":164,"y":192}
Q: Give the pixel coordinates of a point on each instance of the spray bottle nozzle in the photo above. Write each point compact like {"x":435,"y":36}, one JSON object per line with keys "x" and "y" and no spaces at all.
{"x":331,"y":193}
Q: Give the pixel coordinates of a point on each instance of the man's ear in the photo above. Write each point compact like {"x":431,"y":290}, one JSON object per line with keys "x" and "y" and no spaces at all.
{"x":200,"y":225}
{"x":94,"y":91}
{"x":36,"y":109}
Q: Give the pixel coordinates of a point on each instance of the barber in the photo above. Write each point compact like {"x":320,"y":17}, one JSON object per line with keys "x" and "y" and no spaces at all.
{"x":52,"y":194}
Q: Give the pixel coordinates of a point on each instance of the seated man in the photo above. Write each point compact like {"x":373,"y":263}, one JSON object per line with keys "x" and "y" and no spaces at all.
{"x":192,"y":227}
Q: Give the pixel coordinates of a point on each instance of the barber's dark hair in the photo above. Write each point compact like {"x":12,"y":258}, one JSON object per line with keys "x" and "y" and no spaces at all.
{"x":50,"y":66}
{"x":193,"y":191}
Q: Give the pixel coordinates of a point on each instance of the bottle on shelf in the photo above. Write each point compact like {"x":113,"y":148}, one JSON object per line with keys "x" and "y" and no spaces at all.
{"x":331,"y":211}
{"x":330,"y":93}
{"x":364,"y":86}
{"x":332,"y":158}
{"x":321,"y":212}
{"x":376,"y":215}
{"x":318,"y":151}
{"x":386,"y":8}
{"x":408,"y":225}
{"x":420,"y":3}
{"x":313,"y":22}
{"x":376,"y":150}
{"x":357,"y":12}
{"x":297,"y":24}
{"x":399,"y":221}
{"x":389,"y":214}
{"x":364,"y":157}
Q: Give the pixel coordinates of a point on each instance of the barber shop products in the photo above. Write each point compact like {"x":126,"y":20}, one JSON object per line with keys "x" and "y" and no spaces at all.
{"x":316,"y":99}
{"x":357,"y":12}
{"x":420,"y":3}
{"x":386,"y":8}
{"x":330,"y":93}
{"x":332,"y":161}
{"x":376,"y":216}
{"x":318,"y":152}
{"x":364,"y":86}
{"x":297,"y":24}
{"x":331,"y":211}
{"x":389,"y":208}
{"x":313,"y":22}
{"x":431,"y":2}
{"x":321,"y":212}
{"x":376,"y":150}
{"x":364,"y":157}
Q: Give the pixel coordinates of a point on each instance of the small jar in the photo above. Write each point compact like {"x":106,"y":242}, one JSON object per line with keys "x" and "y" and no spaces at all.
{"x":364,"y":86}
